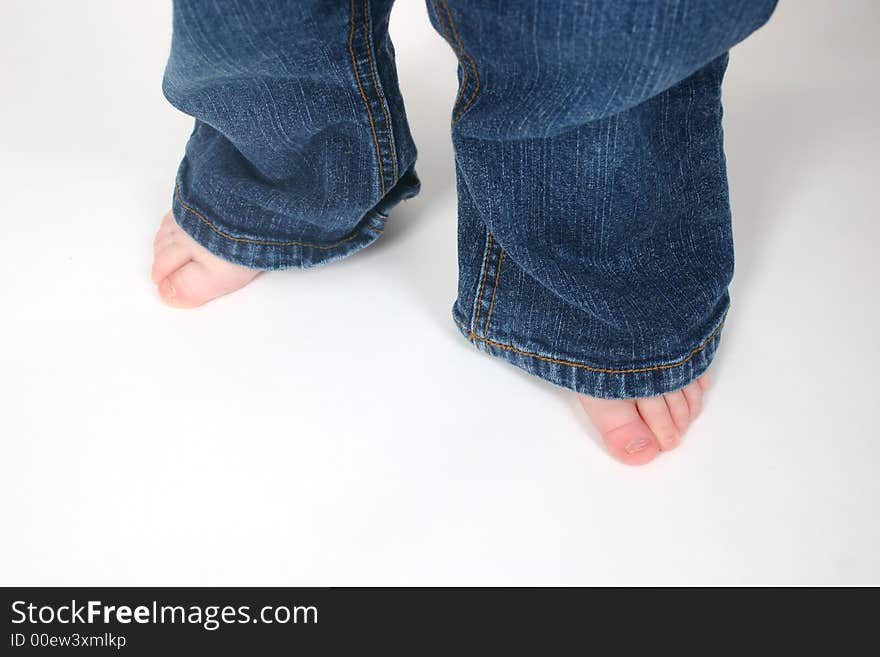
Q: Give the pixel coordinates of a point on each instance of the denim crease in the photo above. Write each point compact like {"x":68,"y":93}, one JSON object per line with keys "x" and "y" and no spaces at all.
{"x":595,"y":247}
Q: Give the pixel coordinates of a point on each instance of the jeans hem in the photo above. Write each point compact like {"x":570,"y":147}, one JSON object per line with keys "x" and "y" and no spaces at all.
{"x":637,"y":381}
{"x":269,"y":254}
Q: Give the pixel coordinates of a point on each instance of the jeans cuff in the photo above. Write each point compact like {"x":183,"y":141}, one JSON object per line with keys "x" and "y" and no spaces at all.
{"x":206,"y":227}
{"x":591,"y":378}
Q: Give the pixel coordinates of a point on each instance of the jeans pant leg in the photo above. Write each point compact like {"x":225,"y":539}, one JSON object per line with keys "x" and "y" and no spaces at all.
{"x":595,"y":245}
{"x":300,"y":145}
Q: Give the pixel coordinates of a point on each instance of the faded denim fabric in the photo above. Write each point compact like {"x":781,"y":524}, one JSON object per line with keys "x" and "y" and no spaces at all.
{"x":595,"y":244}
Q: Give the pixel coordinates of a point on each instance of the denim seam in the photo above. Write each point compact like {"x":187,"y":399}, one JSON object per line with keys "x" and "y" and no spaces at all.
{"x":469,"y":58}
{"x":591,"y":368}
{"x":382,"y":101}
{"x":473,"y":65}
{"x":494,"y":291}
{"x":366,"y":102}
{"x":248,"y":240}
{"x":465,"y":75}
{"x":479,"y":298}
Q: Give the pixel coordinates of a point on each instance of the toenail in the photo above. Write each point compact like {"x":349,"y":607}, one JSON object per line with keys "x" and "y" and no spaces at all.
{"x":636,"y":445}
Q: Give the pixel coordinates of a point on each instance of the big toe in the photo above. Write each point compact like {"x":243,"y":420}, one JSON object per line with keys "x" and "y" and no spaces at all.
{"x":633,"y":443}
{"x":187,"y":287}
{"x":627,"y":437}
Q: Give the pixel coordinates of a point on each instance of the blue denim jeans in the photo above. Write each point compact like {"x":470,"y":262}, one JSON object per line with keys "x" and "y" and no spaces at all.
{"x":595,"y":245}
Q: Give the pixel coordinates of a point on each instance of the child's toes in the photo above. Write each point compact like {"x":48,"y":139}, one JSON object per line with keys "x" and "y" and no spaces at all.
{"x":627,"y":437}
{"x":678,"y":409}
{"x":632,"y":443}
{"x":656,"y":415}
{"x":187,"y":274}
{"x":168,"y":259}
{"x":693,"y":393}
{"x":187,"y":287}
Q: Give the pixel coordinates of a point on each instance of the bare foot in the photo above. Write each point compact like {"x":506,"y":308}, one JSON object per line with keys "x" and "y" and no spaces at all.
{"x":187,"y":274}
{"x":636,"y":430}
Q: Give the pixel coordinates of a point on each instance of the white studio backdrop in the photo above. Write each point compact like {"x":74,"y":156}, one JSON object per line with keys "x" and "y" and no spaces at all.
{"x":330,"y":426}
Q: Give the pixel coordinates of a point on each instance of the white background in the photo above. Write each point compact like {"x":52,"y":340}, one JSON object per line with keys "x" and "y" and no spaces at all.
{"x":331,"y":427}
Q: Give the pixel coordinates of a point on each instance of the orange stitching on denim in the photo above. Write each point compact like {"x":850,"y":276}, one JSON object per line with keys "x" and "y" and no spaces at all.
{"x":247,"y":240}
{"x":465,"y":77}
{"x":470,"y":59}
{"x":379,"y":93}
{"x":483,"y":284}
{"x":357,"y":76}
{"x":601,"y":370}
{"x":494,"y":291}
